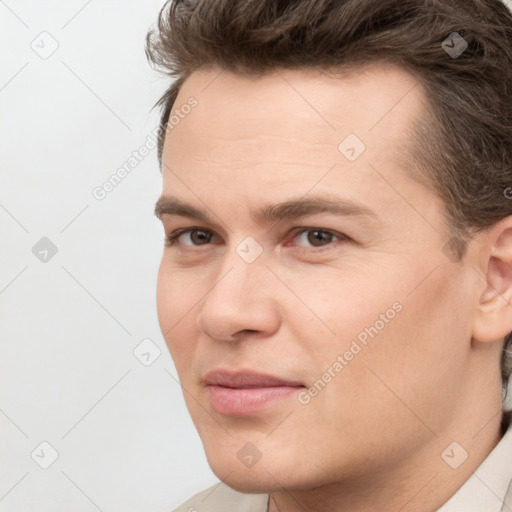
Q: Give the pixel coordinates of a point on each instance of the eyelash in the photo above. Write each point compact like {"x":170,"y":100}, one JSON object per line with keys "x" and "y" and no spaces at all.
{"x":171,"y":240}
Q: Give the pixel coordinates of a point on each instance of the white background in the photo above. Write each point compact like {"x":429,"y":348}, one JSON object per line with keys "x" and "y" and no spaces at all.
{"x":69,"y":326}
{"x":68,"y":375}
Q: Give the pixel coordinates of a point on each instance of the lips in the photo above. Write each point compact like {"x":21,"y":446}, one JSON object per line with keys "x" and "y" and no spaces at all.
{"x":246,"y":392}
{"x":245,"y":380}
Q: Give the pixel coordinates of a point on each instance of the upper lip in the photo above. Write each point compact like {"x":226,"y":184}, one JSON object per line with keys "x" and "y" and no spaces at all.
{"x":245,"y":379}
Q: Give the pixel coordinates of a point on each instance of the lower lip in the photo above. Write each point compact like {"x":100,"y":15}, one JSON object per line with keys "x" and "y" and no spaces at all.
{"x":238,"y":401}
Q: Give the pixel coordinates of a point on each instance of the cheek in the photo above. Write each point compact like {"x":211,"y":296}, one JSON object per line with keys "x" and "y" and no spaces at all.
{"x":164,"y":299}
{"x":174,"y":302}
{"x":380,"y":319}
{"x":179,"y":294}
{"x":421,"y":350}
{"x":340,"y":305}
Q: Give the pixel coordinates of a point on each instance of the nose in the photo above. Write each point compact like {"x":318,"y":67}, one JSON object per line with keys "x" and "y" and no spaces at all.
{"x":240,"y":302}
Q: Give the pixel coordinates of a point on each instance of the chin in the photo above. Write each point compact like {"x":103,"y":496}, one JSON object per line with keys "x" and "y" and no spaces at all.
{"x":267,"y":475}
{"x":250,"y":481}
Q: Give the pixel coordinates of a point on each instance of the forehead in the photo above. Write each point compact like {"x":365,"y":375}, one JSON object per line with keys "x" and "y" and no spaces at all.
{"x":283,"y":132}
{"x":277,"y":114}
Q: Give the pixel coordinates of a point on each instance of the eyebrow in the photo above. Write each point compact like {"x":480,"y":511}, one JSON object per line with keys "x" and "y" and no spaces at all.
{"x":287,"y":210}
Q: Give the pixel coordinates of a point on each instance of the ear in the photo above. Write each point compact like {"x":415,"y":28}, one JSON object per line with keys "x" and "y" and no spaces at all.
{"x":493,"y":319}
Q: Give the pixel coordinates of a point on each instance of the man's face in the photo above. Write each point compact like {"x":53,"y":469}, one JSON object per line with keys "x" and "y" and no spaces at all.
{"x":317,"y":264}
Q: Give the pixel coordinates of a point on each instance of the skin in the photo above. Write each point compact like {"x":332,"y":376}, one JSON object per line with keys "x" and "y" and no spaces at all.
{"x":372,"y":439}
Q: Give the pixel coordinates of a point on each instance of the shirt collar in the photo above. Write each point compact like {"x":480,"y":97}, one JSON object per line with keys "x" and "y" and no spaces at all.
{"x":490,"y":487}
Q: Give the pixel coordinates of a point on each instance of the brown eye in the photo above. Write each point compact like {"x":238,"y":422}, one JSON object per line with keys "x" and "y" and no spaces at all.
{"x":318,"y":238}
{"x":199,"y":237}
{"x":191,"y":236}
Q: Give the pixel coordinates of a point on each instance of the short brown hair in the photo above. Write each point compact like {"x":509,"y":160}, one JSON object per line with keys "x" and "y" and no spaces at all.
{"x":461,"y":147}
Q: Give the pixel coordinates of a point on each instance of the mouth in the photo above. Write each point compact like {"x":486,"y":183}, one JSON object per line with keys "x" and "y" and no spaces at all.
{"x":244,"y":392}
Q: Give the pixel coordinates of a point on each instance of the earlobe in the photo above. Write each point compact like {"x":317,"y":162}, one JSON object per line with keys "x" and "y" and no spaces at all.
{"x":493,"y":320}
